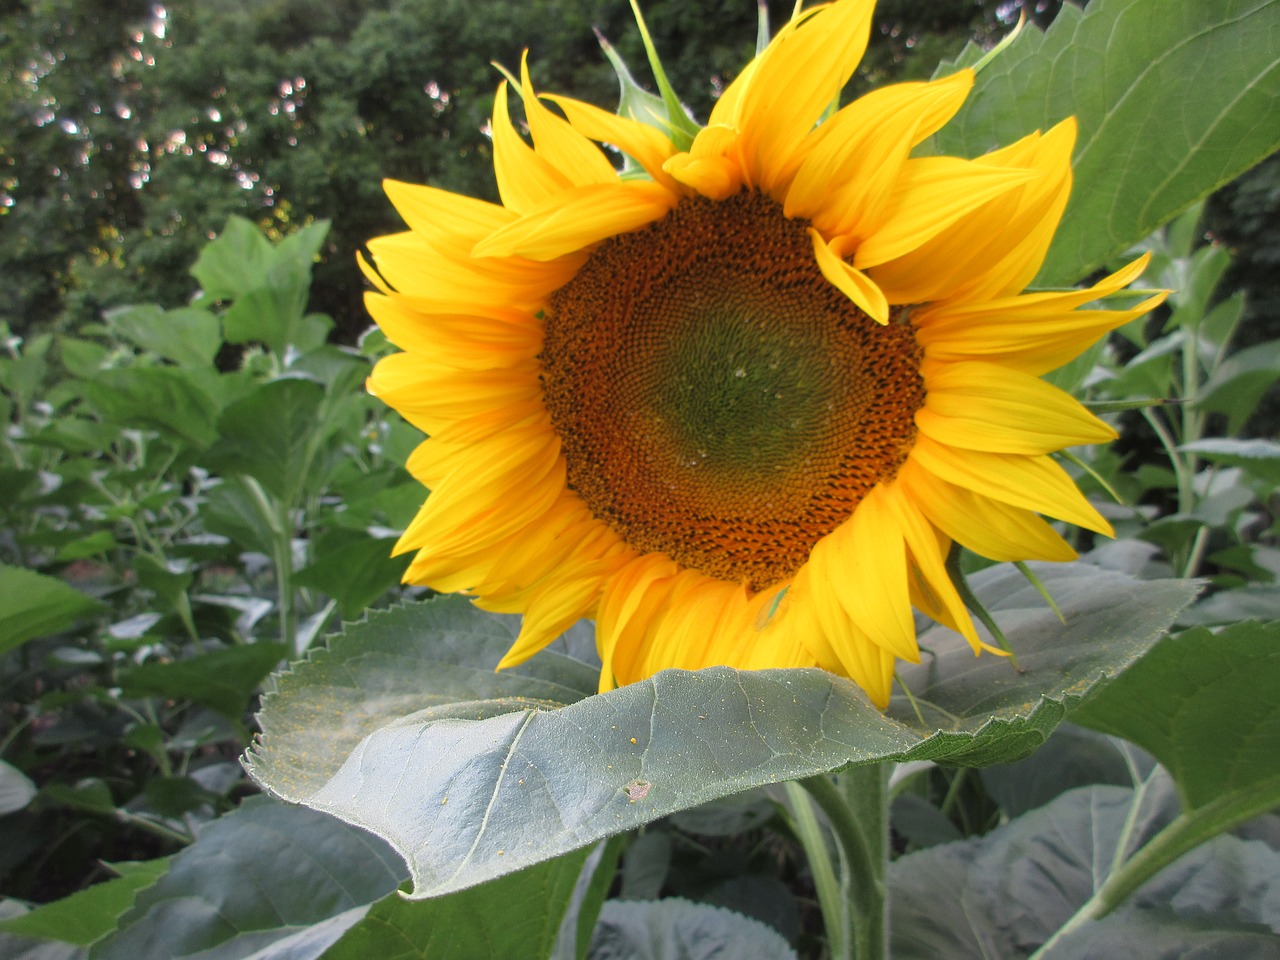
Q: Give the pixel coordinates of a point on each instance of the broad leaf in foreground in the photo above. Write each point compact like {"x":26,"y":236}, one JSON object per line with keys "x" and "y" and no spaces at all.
{"x":516,"y":917}
{"x":1173,"y":99}
{"x":252,"y":878}
{"x":1108,"y":621}
{"x":90,"y":914}
{"x":1207,"y":706}
{"x":1003,"y":894}
{"x":403,"y":728}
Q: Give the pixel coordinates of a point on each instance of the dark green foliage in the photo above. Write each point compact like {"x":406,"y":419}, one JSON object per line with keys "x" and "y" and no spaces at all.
{"x":292,"y":111}
{"x":157,"y":511}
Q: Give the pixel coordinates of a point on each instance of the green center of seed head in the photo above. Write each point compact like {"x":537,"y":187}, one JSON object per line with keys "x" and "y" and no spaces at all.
{"x":742,"y":392}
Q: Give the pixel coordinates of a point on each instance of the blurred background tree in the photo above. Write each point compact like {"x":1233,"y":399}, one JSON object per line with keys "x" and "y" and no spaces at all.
{"x":133,"y":129}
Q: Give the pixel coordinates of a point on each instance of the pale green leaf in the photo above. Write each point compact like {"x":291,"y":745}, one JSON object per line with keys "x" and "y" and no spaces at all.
{"x":156,"y":398}
{"x":402,"y":726}
{"x":236,"y":262}
{"x":33,"y":605}
{"x":189,"y":336}
{"x":1258,"y":457}
{"x":271,"y":435}
{"x":16,"y":788}
{"x":1238,"y":385}
{"x":256,"y":876}
{"x":1007,"y":892}
{"x":221,"y":679}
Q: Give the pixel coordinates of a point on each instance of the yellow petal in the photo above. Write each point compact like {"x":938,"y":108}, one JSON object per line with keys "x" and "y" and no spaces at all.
{"x":695,"y":629}
{"x":425,"y":276}
{"x":1033,"y":483}
{"x":572,"y":222}
{"x":1014,"y":257}
{"x":864,"y":563}
{"x":444,"y":218}
{"x":465,"y":341}
{"x":928,"y":561}
{"x":525,"y":179}
{"x":846,"y":278}
{"x":564,"y":599}
{"x":998,"y":243}
{"x":987,"y":527}
{"x":798,"y":76}
{"x":503,"y":486}
{"x":431,"y":397}
{"x":708,"y":167}
{"x":982,"y":406}
{"x":846,"y":180}
{"x":1034,"y":333}
{"x":930,"y":195}
{"x":573,"y":155}
{"x":632,"y":592}
{"x":645,"y":144}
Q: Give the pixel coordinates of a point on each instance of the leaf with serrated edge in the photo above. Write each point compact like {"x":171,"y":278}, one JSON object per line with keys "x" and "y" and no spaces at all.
{"x":90,"y":914}
{"x":1173,"y":99}
{"x":373,"y":730}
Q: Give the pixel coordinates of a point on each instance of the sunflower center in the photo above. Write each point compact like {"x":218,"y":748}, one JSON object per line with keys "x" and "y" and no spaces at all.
{"x":716,"y":398}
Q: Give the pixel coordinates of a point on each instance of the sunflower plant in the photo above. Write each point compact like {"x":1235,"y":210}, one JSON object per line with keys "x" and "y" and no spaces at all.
{"x":744,"y":454}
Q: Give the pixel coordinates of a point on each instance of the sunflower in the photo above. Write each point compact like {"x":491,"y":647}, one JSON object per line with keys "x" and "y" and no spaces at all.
{"x":738,"y":410}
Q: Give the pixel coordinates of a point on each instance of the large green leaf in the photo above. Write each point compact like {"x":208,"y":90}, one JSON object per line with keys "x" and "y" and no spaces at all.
{"x":158,"y":398}
{"x":222,"y":679}
{"x":1260,"y":458}
{"x":33,"y":605}
{"x":402,"y":726}
{"x":1206,"y":705}
{"x":1072,"y":757}
{"x":516,"y":917}
{"x":353,"y":568}
{"x":1003,"y":894}
{"x":253,"y":878}
{"x":235,"y":263}
{"x":681,"y":930}
{"x":1108,"y":622}
{"x":90,"y":914}
{"x":189,"y":336}
{"x":272,"y":435}
{"x":1173,"y":99}
{"x":269,"y":285}
{"x":1237,"y":387}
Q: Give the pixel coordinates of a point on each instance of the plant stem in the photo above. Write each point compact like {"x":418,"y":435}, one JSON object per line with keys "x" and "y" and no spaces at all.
{"x":833,"y":897}
{"x":1183,"y":835}
{"x":281,"y":525}
{"x":857,"y":805}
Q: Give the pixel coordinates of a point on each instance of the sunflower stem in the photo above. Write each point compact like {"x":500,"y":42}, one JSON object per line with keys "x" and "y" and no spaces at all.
{"x":1180,"y":837}
{"x":833,"y":897}
{"x":857,"y":806}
